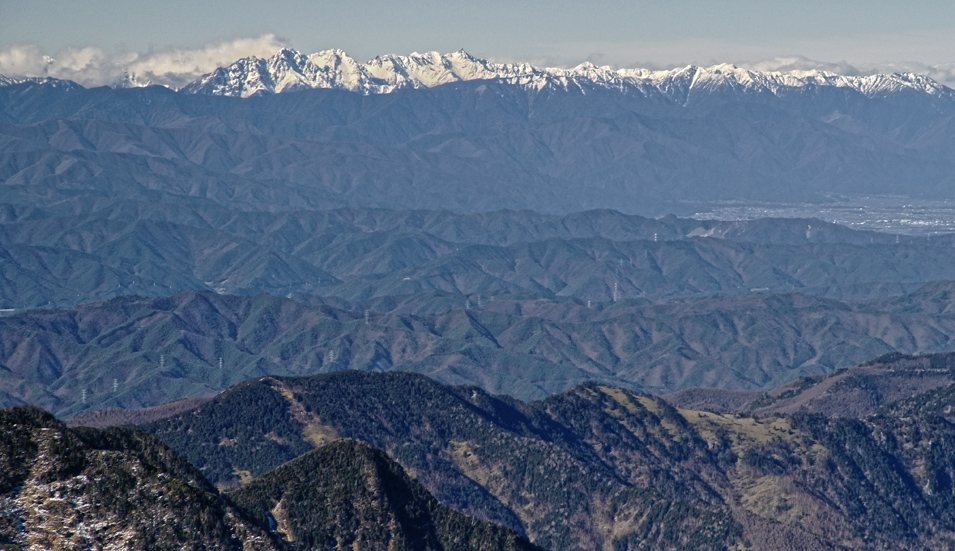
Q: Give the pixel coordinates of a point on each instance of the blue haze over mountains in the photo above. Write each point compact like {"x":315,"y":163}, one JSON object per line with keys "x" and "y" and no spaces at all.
{"x":539,"y":193}
{"x":553,"y":144}
{"x":231,"y":264}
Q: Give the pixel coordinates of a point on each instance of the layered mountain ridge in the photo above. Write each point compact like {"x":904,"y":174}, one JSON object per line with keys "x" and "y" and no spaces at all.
{"x":289,"y":70}
{"x":60,"y":257}
{"x":134,"y":352}
{"x":478,"y":145}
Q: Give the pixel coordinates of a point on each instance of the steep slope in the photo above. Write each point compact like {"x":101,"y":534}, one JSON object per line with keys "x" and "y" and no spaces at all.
{"x":114,"y":489}
{"x":289,"y":70}
{"x":630,"y":470}
{"x":348,"y":495}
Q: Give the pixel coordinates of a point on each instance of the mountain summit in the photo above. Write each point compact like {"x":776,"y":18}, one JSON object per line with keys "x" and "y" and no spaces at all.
{"x":289,"y":70}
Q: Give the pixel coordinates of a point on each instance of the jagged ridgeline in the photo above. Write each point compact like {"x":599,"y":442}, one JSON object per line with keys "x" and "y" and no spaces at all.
{"x":120,"y":488}
{"x":630,"y":471}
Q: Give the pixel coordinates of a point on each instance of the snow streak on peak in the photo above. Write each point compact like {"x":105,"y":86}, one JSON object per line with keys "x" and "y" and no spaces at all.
{"x":289,"y":70}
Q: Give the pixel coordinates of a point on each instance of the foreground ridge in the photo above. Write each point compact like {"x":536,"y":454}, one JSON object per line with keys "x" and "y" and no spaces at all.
{"x":631,"y":471}
{"x":348,"y":495}
{"x":120,"y":488}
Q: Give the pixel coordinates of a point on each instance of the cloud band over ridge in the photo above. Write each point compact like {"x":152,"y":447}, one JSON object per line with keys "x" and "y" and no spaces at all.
{"x":93,"y":66}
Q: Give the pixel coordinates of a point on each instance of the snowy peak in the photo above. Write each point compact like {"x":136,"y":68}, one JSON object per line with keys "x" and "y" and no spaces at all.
{"x":289,"y":70}
{"x":338,"y":69}
{"x":42,"y":81}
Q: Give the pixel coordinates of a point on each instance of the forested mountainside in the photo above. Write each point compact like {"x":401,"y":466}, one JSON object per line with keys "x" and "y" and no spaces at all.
{"x":442,"y":435}
{"x":137,"y":352}
{"x":348,"y":495}
{"x":114,"y":417}
{"x":631,"y":470}
{"x":120,"y":488}
{"x":475,"y":146}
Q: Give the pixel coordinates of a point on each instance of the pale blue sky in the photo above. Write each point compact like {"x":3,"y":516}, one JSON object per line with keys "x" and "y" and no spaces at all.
{"x":554,"y":32}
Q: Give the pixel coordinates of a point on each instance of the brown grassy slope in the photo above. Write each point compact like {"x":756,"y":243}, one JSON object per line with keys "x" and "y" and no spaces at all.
{"x":851,"y":392}
{"x":114,"y":417}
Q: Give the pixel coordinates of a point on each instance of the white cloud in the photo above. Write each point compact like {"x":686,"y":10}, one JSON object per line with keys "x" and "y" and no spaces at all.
{"x":941,"y":72}
{"x":22,"y":60}
{"x":179,"y":67}
{"x":94,"y":67}
{"x":802,"y":63}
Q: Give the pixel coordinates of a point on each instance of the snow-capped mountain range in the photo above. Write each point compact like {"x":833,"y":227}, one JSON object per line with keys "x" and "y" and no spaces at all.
{"x":289,"y":70}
